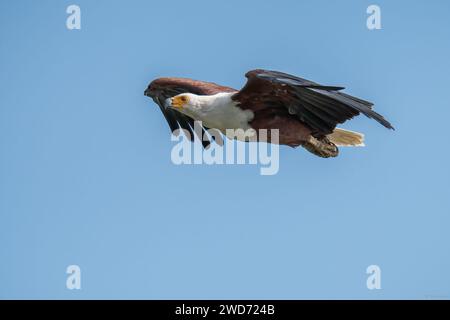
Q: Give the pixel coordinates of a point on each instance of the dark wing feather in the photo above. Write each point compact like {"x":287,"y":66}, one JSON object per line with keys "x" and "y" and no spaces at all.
{"x":319,"y":107}
{"x":163,"y":88}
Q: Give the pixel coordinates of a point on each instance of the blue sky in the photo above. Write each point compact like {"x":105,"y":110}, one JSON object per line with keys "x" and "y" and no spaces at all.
{"x":86,"y":176}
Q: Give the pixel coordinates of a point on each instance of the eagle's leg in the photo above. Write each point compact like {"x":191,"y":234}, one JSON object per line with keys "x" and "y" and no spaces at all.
{"x":321,"y":147}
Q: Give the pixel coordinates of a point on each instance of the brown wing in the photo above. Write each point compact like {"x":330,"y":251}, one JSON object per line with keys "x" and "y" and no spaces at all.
{"x":163,"y":88}
{"x":321,"y":108}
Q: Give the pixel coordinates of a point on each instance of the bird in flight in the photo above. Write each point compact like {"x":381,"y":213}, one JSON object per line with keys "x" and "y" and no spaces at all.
{"x":304,"y":112}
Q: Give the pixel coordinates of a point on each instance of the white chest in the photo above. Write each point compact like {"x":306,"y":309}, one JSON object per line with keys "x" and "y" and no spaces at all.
{"x":221,"y":112}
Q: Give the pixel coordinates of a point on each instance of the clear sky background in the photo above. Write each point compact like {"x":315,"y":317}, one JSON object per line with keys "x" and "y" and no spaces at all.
{"x":86,"y":176}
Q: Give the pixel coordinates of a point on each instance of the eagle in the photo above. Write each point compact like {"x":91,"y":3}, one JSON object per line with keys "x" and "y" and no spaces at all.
{"x":304,"y":112}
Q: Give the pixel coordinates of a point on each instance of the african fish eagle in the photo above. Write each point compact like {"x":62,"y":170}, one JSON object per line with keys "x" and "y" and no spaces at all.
{"x":305,"y":113}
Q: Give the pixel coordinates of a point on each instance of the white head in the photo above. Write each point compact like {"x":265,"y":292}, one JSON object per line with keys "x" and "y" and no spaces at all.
{"x":193,"y":105}
{"x":185,"y":101}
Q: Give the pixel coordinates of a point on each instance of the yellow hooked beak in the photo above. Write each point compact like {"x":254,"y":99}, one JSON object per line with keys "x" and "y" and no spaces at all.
{"x":179,"y":101}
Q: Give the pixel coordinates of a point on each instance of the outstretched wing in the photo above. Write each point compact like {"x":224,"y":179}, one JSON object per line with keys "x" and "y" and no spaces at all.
{"x":163,"y":88}
{"x":320,"y":107}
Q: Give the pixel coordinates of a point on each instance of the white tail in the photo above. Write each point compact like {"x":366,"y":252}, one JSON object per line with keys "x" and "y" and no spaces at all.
{"x":346,"y":138}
